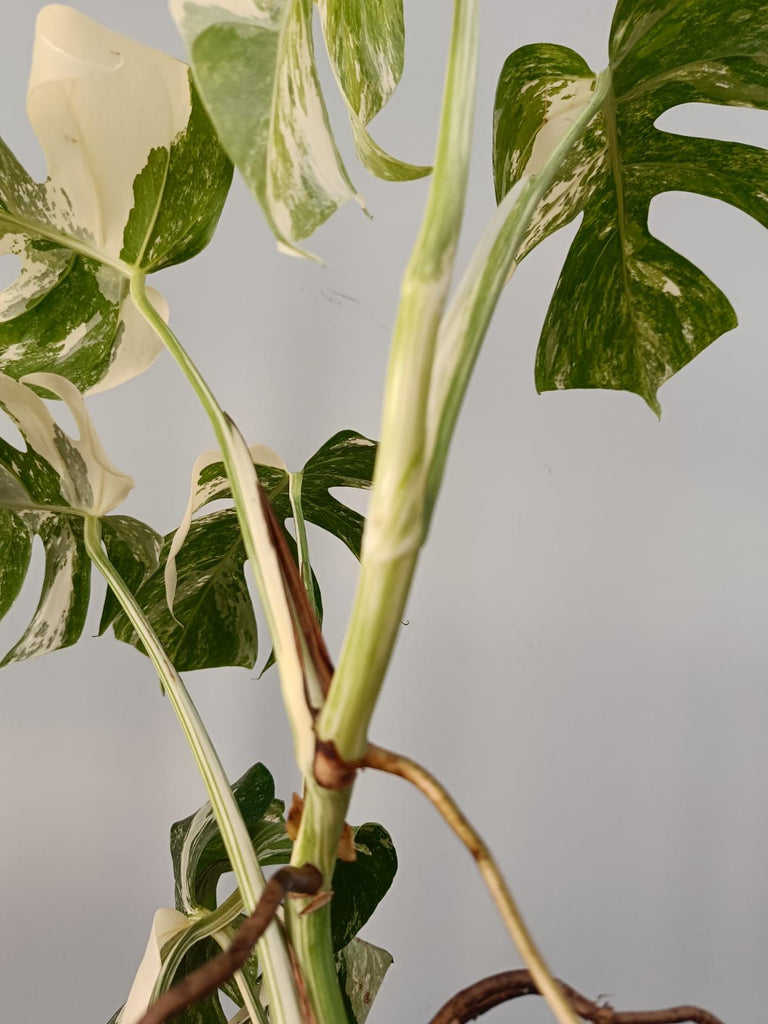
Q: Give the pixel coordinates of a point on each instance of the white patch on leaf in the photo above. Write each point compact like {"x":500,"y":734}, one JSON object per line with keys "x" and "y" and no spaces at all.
{"x":166,"y":924}
{"x":89,"y":481}
{"x":138,"y":346}
{"x":200,"y":493}
{"x":82,"y":74}
{"x":566,"y":101}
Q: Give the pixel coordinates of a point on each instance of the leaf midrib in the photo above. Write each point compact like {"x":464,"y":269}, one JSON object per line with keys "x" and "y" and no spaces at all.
{"x":40,"y":230}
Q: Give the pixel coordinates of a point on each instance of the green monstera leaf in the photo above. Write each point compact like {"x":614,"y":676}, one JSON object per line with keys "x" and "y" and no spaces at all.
{"x":360,"y":885}
{"x":628,"y":311}
{"x":197,"y":599}
{"x":366,"y":45}
{"x":46,"y":491}
{"x":136,"y":182}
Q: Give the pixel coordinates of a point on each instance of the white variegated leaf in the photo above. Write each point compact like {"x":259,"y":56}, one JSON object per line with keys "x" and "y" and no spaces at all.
{"x":643,"y":311}
{"x":204,"y":488}
{"x":45,"y":491}
{"x":254,"y":64}
{"x":361,"y":968}
{"x":166,"y":925}
{"x":365,"y":40}
{"x":136,"y":180}
{"x":89,"y":481}
{"x":197,"y":850}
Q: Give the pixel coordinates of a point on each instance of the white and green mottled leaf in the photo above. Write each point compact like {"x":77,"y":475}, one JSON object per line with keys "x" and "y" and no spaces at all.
{"x":61,"y":610}
{"x":199,"y":603}
{"x":642,"y":311}
{"x":254,"y":65}
{"x":89,"y":482}
{"x":209,"y":483}
{"x":134,"y":550}
{"x":365,"y":40}
{"x":136,"y":180}
{"x":197,"y":851}
{"x":361,"y":968}
{"x":271,"y":842}
{"x":45,"y":491}
{"x":212,"y":623}
{"x":345,"y":460}
{"x":166,"y":925}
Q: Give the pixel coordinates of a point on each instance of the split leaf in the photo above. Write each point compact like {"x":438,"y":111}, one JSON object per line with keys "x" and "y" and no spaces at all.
{"x":46,"y":491}
{"x":628,"y":311}
{"x":197,"y":849}
{"x":136,"y":181}
{"x":197,"y":599}
{"x":254,"y":66}
{"x":365,"y":40}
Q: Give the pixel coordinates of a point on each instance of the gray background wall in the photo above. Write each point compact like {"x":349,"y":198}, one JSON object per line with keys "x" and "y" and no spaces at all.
{"x":584,"y":663}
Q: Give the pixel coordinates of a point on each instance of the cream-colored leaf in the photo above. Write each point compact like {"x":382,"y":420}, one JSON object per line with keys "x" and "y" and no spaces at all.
{"x":90,"y":482}
{"x":80,"y":78}
{"x":138,"y":346}
{"x":166,"y":924}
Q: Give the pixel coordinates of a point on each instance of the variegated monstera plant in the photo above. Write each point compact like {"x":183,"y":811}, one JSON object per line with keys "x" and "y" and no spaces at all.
{"x":140,"y":151}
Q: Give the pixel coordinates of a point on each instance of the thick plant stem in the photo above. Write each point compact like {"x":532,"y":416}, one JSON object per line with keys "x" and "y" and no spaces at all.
{"x":469,"y":313}
{"x":322,"y":820}
{"x":394,"y":529}
{"x":272,"y":949}
{"x":438,"y":795}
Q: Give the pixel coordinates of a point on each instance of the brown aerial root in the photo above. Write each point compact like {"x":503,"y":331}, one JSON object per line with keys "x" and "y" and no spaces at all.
{"x":477,"y":999}
{"x":305,"y":880}
{"x":438,"y":795}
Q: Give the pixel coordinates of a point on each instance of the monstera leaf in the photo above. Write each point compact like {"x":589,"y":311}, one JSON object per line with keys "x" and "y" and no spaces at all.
{"x":361,"y":968}
{"x":197,"y":849}
{"x":628,"y":312}
{"x":254,"y":65}
{"x":136,"y":182}
{"x":197,"y":599}
{"x":199,"y":858}
{"x":212,"y":623}
{"x":366,"y":45}
{"x":46,"y":491}
{"x":360,"y":885}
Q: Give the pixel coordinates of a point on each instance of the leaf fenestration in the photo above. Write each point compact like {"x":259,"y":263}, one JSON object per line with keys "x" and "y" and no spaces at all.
{"x":45,"y":491}
{"x":628,"y":311}
{"x":200,"y":574}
